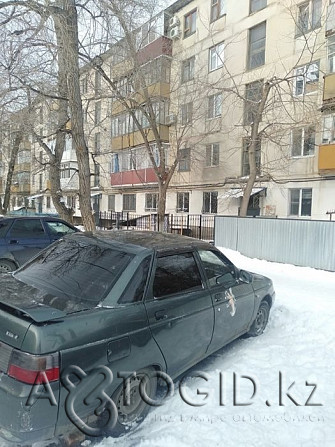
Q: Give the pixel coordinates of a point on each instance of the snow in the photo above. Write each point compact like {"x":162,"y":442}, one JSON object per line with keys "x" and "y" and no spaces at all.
{"x":298,"y":342}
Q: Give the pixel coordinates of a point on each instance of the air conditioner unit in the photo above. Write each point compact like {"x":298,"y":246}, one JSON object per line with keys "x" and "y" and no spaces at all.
{"x":175,"y":33}
{"x":171,"y":119}
{"x":174,"y":21}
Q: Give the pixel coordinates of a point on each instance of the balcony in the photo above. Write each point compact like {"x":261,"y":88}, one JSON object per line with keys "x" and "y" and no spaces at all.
{"x":327,"y":159}
{"x":135,"y":138}
{"x":22,"y":167}
{"x":138,"y":177}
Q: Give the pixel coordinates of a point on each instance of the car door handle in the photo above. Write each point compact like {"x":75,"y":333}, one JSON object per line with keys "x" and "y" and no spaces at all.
{"x":13,"y":241}
{"x":219,"y":297}
{"x":161,"y":315}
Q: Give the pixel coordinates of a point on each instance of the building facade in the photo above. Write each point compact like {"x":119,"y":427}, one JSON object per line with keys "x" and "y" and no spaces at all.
{"x":204,"y":64}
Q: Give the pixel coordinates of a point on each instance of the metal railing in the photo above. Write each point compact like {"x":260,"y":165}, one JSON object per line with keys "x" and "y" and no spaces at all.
{"x":200,"y":226}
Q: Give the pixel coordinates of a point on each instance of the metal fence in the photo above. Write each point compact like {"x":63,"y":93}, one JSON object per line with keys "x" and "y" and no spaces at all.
{"x":300,"y":242}
{"x":194,"y":225}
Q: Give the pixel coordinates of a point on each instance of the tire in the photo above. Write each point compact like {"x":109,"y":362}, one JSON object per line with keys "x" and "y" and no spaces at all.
{"x":261,"y":320}
{"x":131,"y":415}
{"x":7,"y":266}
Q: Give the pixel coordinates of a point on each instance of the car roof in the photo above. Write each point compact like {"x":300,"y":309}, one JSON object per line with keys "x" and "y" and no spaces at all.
{"x":147,"y":239}
{"x":50,"y":218}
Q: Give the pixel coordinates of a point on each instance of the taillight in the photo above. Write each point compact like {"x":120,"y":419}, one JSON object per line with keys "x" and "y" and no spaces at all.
{"x":33,"y":369}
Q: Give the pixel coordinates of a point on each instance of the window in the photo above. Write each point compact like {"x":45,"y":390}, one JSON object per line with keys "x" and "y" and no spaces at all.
{"x":176,"y":274}
{"x":48,"y":202}
{"x":129,"y":202}
{"x":210,"y":202}
{"x":97,"y":143}
{"x":256,"y":5}
{"x":184,"y":159}
{"x":97,"y":113}
{"x":190,"y":23}
{"x":115,"y":166}
{"x":217,"y":9}
{"x":59,"y":228}
{"x":303,"y":141}
{"x":111,"y":202}
{"x":328,"y":134}
{"x":301,"y":202}
{"x":212,"y":154}
{"x":186,"y":113}
{"x":27,"y":228}
{"x":215,"y":105}
{"x":216,"y":55}
{"x":40,"y":182}
{"x":245,"y":157}
{"x":309,"y":16}
{"x":151,"y":200}
{"x":253,"y":94}
{"x":187,"y":69}
{"x":217,"y":270}
{"x":331,"y":53}
{"x":256,"y":53}
{"x":183,"y":201}
{"x":134,"y":291}
{"x":306,"y":79}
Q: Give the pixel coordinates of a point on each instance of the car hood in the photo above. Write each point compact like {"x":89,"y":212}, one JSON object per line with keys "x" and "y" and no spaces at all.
{"x":26,"y":301}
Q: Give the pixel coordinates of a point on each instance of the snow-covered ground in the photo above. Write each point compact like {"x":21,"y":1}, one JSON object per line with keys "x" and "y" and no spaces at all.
{"x":299,"y":343}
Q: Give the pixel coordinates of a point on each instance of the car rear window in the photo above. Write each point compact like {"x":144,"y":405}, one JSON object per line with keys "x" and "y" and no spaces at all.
{"x":78,"y":273}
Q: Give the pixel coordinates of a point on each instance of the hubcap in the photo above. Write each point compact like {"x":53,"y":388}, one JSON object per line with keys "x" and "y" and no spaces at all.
{"x":130,"y":403}
{"x":260,"y":320}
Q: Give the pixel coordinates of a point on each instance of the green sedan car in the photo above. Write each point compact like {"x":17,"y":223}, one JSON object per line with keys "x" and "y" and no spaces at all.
{"x":91,"y":323}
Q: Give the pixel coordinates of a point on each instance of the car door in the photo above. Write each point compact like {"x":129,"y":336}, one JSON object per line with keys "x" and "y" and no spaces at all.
{"x":26,"y":238}
{"x":233,"y":300}
{"x":180,"y":311}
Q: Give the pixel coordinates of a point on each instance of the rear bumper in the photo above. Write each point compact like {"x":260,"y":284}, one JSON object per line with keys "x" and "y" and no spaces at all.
{"x":21,"y":423}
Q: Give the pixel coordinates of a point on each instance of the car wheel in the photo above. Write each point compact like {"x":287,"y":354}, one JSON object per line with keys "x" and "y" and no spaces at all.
{"x":7,"y":266}
{"x":260,"y":321}
{"x":135,"y":410}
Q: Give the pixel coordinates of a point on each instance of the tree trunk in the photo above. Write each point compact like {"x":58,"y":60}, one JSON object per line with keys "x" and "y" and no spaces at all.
{"x":161,"y":206}
{"x":254,"y":140}
{"x":13,"y":156}
{"x":70,"y":39}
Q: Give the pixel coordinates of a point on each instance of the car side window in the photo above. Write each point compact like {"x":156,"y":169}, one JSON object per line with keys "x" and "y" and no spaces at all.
{"x":135,"y":289}
{"x":175,"y":274}
{"x":27,"y":228}
{"x":217,"y":271}
{"x":4,"y":227}
{"x":58,"y":228}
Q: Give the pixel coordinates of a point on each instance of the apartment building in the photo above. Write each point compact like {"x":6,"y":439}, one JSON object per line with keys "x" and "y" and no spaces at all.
{"x":204,"y":64}
{"x":223,"y":51}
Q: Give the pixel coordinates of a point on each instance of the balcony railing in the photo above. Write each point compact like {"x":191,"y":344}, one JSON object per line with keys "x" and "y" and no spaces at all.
{"x":134,"y":177}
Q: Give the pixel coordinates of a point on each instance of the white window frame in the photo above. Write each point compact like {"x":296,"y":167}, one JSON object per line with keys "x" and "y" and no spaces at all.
{"x":216,"y":56}
{"x":212,"y":155}
{"x":312,"y":9}
{"x":331,"y":53}
{"x":215,"y":105}
{"x":302,"y":191}
{"x":186,"y":111}
{"x":185,"y":197}
{"x":328,"y":131}
{"x":151,"y":198}
{"x":218,"y":9}
{"x":304,"y":132}
{"x":305,"y":75}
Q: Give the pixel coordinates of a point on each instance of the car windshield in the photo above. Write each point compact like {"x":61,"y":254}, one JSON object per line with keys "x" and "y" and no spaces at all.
{"x":75,"y":273}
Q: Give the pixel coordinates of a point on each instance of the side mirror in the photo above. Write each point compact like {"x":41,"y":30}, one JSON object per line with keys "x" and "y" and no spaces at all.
{"x":245,"y":277}
{"x":227,"y":279}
